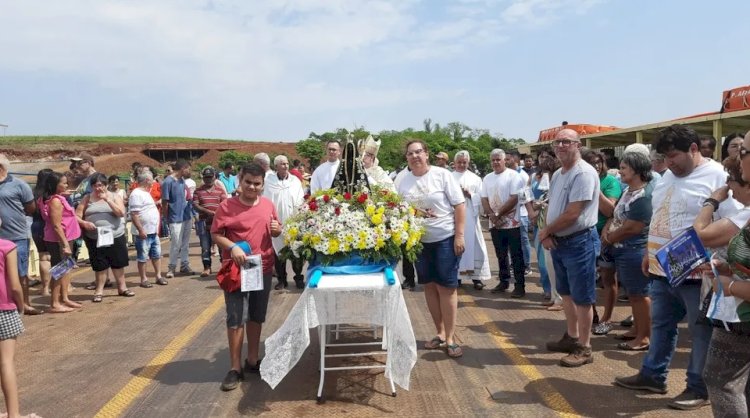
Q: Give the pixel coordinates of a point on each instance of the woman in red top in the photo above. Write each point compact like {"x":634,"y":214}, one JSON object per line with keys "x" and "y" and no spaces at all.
{"x":248,"y":218}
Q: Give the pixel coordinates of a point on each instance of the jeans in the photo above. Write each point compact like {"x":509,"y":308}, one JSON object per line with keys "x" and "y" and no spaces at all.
{"x":669,"y":305}
{"x":203,"y":230}
{"x":179,"y":239}
{"x":541,"y":263}
{"x":504,"y":240}
{"x":574,"y":262}
{"x":525,"y":243}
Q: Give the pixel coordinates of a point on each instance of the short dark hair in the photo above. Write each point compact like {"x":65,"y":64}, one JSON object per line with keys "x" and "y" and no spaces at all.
{"x":725,"y":144}
{"x":98,"y":178}
{"x":51,"y":183}
{"x":41,"y":179}
{"x":227,"y":164}
{"x":295,"y":163}
{"x":676,"y":137}
{"x":416,"y":141}
{"x":112,"y":178}
{"x":180,"y":164}
{"x":711,"y":141}
{"x":333,"y":141}
{"x":253,"y":169}
{"x":590,"y":155}
{"x":639,"y":163}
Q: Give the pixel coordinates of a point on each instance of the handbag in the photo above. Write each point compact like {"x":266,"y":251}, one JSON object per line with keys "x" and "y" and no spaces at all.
{"x":229,"y":276}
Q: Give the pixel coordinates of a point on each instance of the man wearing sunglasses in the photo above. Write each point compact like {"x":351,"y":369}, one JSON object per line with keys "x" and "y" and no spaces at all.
{"x":322,"y":177}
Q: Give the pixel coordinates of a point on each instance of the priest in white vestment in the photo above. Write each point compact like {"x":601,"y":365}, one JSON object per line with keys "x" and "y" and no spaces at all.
{"x":375,"y":174}
{"x":323,"y":176}
{"x":287,"y":195}
{"x":475,"y":264}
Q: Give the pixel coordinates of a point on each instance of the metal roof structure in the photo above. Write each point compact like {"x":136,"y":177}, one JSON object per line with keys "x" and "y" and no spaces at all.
{"x":716,"y":124}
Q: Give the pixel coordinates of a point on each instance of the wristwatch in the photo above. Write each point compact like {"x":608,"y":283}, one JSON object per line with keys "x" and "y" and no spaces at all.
{"x":713,"y":202}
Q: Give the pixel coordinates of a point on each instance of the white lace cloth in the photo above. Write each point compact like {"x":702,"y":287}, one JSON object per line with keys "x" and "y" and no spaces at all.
{"x":345,"y":299}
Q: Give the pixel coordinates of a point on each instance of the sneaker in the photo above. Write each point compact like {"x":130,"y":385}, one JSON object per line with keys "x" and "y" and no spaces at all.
{"x":170,"y":274}
{"x":500,"y":288}
{"x":627,"y":322}
{"x":249,"y":368}
{"x":578,"y":357}
{"x":300,"y":283}
{"x":688,"y":400}
{"x":528,"y":271}
{"x":281,"y":285}
{"x":641,"y":382}
{"x":186,"y":270}
{"x":518,"y":292}
{"x":602,"y":328}
{"x":231,"y":380}
{"x":408,"y":284}
{"x":566,"y":344}
{"x":623,"y":298}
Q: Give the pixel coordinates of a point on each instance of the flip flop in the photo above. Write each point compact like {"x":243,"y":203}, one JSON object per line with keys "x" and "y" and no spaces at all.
{"x":627,"y":347}
{"x":455,"y":351}
{"x":434,"y":343}
{"x":97,"y":298}
{"x":146,"y":284}
{"x":32,"y":311}
{"x":126,"y":293}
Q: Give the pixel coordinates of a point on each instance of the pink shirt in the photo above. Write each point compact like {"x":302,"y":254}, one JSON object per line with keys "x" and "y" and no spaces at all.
{"x":6,"y":299}
{"x":240,"y":222}
{"x":69,"y":220}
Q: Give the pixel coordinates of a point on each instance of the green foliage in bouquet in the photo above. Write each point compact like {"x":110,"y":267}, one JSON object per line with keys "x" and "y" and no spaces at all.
{"x":331,"y":226}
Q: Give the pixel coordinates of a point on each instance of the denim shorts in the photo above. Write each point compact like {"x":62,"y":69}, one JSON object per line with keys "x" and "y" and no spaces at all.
{"x":22,"y":254}
{"x":438,"y":264}
{"x":247,"y":306}
{"x":148,"y":248}
{"x":628,"y":263}
{"x":574,"y":262}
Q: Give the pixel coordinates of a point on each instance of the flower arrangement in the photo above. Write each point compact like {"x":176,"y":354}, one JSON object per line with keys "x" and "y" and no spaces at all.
{"x":377,"y":225}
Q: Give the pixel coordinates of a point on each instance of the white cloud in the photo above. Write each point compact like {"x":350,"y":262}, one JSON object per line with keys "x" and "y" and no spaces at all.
{"x":238,"y":57}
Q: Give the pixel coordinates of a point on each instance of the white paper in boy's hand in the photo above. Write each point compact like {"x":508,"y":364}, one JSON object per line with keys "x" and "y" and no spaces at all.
{"x":105,"y":236}
{"x":251,"y":277}
{"x":724,"y":308}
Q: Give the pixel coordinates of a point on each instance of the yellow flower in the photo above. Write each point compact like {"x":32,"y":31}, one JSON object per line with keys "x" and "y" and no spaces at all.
{"x":348,"y":238}
{"x":370,"y":210}
{"x":379,"y":243}
{"x":381,"y":210}
{"x":412,"y":211}
{"x":396,"y":236}
{"x":293,"y":233}
{"x":333,"y":246}
{"x":377,"y":219}
{"x":315,"y":239}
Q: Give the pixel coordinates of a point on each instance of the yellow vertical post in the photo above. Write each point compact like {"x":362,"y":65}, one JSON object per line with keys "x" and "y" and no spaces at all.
{"x":639,"y":137}
{"x":588,"y":143}
{"x":718,"y":134}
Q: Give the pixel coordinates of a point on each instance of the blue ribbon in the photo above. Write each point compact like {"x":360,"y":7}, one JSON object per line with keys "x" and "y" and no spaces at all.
{"x":353,"y":265}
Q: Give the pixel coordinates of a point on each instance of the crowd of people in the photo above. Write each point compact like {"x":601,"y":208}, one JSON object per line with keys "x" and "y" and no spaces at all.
{"x":592,"y":219}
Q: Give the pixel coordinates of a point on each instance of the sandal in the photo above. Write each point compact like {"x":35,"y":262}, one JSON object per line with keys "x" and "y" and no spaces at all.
{"x":602,"y":328}
{"x":161,"y":281}
{"x":434,"y":343}
{"x":146,"y":284}
{"x":624,"y":337}
{"x":455,"y":351}
{"x":32,"y":311}
{"x":126,"y":293}
{"x":97,"y":298}
{"x":627,"y":347}
{"x":478,"y":286}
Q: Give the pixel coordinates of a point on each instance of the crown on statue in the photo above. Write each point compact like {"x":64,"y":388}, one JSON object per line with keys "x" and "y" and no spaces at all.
{"x":351,"y":176}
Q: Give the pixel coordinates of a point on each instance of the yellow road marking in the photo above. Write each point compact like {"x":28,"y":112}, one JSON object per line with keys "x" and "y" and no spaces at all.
{"x":120,"y":402}
{"x":551,"y":397}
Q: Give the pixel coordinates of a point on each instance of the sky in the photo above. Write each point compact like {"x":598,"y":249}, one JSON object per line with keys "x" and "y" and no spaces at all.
{"x":278,"y":70}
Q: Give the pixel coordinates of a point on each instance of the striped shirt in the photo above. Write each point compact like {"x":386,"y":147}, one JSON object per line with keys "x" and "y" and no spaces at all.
{"x":209,"y":198}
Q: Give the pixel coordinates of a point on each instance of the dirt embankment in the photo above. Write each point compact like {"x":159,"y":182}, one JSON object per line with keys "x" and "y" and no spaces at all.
{"x":115,"y":158}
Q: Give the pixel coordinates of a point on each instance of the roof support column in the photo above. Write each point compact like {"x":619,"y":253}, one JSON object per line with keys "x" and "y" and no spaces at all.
{"x":639,"y":137}
{"x":718,"y":134}
{"x":588,"y":143}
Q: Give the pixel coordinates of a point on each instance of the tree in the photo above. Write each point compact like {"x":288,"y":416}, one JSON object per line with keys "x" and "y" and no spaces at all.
{"x":237,"y":158}
{"x":311,"y":149}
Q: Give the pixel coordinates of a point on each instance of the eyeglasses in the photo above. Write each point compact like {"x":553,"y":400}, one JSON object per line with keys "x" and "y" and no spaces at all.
{"x":563,"y":142}
{"x":414,"y":153}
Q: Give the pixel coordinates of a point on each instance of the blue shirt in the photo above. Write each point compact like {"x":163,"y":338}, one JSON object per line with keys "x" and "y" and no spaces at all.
{"x":229,"y":182}
{"x":173,"y":193}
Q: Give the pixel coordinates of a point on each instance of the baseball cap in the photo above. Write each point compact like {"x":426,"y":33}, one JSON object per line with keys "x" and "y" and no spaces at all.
{"x":208,"y":172}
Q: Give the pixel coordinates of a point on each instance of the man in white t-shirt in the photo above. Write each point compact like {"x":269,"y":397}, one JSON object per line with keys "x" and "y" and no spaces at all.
{"x":145,"y":219}
{"x":500,"y":194}
{"x":676,"y":200}
{"x":322,"y":177}
{"x":571,"y":237}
